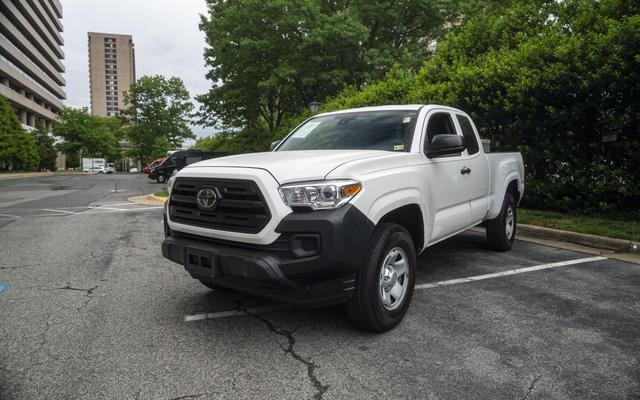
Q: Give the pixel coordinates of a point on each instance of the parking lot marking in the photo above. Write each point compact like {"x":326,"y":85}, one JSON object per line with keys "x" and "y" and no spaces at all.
{"x":9,"y":216}
{"x":265,"y":309}
{"x":508,"y":272}
{"x":115,"y":204}
{"x":107,"y":210}
{"x":58,"y":211}
{"x":233,"y":313}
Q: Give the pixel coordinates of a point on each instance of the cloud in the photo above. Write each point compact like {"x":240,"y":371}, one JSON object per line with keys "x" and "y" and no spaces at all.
{"x":165,"y":33}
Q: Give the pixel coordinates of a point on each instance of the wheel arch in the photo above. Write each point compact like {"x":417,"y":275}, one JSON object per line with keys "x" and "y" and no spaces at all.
{"x":411,"y":218}
{"x":511,"y":184}
{"x":513,"y":187}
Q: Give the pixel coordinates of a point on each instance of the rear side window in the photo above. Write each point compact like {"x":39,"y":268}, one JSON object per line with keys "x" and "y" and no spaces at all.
{"x":469,"y":135}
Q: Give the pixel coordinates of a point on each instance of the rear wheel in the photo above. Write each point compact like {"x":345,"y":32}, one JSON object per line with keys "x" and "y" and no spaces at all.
{"x":214,"y":286}
{"x":385,"y":282}
{"x":501,"y":231}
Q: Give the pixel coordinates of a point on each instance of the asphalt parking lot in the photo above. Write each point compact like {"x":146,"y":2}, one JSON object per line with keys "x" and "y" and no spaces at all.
{"x":89,"y":309}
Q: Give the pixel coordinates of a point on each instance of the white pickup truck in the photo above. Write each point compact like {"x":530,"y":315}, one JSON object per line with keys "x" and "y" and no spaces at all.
{"x":340,"y":208}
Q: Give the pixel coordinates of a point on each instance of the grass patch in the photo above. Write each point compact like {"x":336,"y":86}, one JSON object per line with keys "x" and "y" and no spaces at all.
{"x":619,"y":229}
{"x":162,"y":193}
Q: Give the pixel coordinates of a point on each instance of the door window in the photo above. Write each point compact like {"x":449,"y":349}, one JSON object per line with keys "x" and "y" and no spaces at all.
{"x":440,"y":124}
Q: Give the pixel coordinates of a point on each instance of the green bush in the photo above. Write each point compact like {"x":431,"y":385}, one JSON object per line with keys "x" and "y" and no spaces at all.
{"x":547,"y":82}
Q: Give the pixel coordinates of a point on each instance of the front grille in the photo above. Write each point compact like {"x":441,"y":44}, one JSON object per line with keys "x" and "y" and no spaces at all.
{"x":240,"y":206}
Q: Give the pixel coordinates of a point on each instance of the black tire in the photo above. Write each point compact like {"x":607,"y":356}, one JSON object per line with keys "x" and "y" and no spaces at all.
{"x":215,"y":287}
{"x":161,"y":178}
{"x":501,"y":231}
{"x":366,"y":308}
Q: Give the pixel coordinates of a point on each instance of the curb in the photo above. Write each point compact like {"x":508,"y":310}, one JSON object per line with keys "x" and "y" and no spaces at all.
{"x":157,"y":199}
{"x":583,"y":239}
{"x":148,"y":199}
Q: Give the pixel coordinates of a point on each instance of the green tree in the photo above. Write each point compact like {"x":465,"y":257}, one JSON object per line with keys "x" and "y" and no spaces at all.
{"x":80,"y":131}
{"x":17,"y":147}
{"x":158,"y":112}
{"x":269,"y":59}
{"x":45,"y":145}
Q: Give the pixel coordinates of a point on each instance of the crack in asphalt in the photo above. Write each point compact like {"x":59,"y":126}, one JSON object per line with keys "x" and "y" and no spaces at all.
{"x":189,"y":396}
{"x":18,"y":266}
{"x":288,"y":334}
{"x":535,"y":380}
{"x":88,"y":293}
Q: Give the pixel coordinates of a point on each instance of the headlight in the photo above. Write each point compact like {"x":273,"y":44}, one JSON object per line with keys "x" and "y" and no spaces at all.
{"x":170,"y":183}
{"x":319,"y":195}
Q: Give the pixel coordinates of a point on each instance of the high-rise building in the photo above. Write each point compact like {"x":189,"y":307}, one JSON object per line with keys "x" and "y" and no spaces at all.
{"x":31,"y":59}
{"x":112,"y":70}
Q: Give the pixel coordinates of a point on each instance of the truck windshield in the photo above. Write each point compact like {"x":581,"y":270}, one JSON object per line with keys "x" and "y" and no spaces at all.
{"x":366,"y":130}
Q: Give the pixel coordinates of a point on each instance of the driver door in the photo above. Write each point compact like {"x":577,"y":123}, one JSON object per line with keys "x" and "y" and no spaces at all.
{"x":448,"y":186}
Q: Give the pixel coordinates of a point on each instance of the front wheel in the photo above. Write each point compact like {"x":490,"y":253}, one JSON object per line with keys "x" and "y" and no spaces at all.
{"x":161,"y":179}
{"x":385,"y":282}
{"x":501,"y":231}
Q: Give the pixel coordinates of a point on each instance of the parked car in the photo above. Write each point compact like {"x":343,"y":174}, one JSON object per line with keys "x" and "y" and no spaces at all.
{"x":100,"y":169}
{"x":177,"y":161}
{"x":339,"y":210}
{"x":153,"y":164}
{"x":95,"y":170}
{"x":133,"y":170}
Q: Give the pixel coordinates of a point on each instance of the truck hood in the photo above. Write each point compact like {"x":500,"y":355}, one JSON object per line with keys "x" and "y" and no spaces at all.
{"x":293,"y":166}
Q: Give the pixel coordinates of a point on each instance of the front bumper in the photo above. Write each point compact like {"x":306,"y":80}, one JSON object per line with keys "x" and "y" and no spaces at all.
{"x":313,"y":263}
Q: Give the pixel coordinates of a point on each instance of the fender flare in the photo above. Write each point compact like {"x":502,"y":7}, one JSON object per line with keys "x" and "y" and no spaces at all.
{"x":498,"y":197}
{"x":392,"y":201}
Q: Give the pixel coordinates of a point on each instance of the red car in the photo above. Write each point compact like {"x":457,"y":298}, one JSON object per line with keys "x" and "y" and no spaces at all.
{"x":153,"y":164}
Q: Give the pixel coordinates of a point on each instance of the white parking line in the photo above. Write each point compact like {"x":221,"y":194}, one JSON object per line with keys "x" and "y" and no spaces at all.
{"x":110,"y":208}
{"x":233,"y":313}
{"x":9,"y":216}
{"x":107,"y":210}
{"x":58,"y":211}
{"x":114,"y":204}
{"x":265,"y":309}
{"x":508,"y":272}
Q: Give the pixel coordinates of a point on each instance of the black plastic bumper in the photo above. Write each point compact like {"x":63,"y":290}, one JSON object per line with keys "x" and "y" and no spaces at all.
{"x":313,"y":263}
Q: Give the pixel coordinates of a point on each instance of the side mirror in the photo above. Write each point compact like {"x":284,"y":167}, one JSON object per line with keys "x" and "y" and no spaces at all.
{"x":445,"y":145}
{"x":274,"y":144}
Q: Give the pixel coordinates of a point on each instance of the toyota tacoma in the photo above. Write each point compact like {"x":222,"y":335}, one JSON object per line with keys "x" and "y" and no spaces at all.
{"x":339,"y":209}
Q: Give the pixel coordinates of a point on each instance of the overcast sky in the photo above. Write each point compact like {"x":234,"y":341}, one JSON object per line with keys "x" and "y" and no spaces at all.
{"x":165,"y":33}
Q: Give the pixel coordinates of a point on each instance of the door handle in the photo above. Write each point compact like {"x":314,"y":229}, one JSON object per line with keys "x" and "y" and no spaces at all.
{"x":465,"y":170}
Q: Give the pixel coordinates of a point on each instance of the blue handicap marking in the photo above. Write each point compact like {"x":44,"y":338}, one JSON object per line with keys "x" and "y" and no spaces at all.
{"x":3,"y":286}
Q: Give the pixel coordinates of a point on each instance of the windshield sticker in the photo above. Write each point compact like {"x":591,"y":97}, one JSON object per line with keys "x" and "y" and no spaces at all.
{"x":306,"y":129}
{"x":406,"y":120}
{"x":398,"y":147}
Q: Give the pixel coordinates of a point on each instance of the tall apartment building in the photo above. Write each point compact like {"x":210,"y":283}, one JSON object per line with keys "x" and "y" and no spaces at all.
{"x":31,"y":59}
{"x":112,"y":70}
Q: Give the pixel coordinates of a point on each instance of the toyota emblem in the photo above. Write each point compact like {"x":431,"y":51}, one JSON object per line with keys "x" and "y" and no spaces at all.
{"x":207,"y":198}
